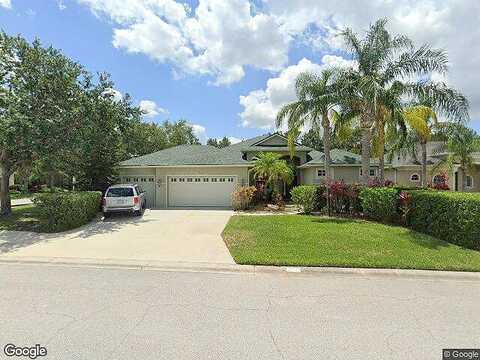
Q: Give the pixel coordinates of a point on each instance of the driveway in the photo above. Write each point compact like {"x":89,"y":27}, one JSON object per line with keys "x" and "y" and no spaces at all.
{"x":160,"y":235}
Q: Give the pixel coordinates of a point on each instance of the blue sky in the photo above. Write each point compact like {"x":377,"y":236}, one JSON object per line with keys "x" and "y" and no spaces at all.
{"x":239,"y":97}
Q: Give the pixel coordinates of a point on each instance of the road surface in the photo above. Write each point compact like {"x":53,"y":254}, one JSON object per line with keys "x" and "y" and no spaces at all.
{"x":101,"y":313}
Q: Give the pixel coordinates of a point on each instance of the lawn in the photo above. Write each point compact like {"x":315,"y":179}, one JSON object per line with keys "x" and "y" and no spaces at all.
{"x":20,"y":195}
{"x":322,"y":241}
{"x":25,"y":217}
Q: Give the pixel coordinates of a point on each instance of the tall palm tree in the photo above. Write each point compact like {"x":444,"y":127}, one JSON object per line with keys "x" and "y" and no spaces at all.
{"x":385,"y":62}
{"x":272,"y":169}
{"x":461,"y":144}
{"x":422,"y":119}
{"x":316,"y":99}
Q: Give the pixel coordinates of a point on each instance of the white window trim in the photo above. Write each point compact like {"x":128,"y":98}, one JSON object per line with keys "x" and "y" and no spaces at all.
{"x":321,"y":176}
{"x":418,"y":175}
{"x":370,"y":169}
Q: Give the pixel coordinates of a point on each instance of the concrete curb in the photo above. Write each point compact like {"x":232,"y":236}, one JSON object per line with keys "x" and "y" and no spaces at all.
{"x":235,"y":268}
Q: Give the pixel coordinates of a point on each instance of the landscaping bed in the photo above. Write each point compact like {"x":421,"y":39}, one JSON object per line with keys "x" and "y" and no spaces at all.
{"x":322,"y":241}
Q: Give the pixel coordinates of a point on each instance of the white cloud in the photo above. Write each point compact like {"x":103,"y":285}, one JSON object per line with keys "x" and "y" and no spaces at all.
{"x":6,"y":4}
{"x":61,"y":5}
{"x":220,"y":38}
{"x":200,"y":132}
{"x":261,"y":106}
{"x":114,"y":94}
{"x":234,"y":140}
{"x":449,"y":24}
{"x":150,"y":108}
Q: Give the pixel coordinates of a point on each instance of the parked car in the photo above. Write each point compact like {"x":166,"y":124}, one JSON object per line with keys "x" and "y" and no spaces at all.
{"x":124,"y":198}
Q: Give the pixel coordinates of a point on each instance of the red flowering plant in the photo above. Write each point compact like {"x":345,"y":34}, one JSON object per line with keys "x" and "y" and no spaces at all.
{"x":440,"y":182}
{"x":405,"y":200}
{"x":343,"y":198}
{"x":376,"y":182}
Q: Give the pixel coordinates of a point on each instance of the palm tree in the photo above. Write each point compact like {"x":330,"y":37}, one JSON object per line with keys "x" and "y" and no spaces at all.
{"x":422,"y":119}
{"x":384,"y":63}
{"x":461,"y":144}
{"x":316,"y":99}
{"x":270,"y":168}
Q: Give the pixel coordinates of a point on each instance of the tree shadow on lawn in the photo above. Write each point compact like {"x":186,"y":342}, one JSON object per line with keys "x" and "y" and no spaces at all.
{"x":11,"y":241}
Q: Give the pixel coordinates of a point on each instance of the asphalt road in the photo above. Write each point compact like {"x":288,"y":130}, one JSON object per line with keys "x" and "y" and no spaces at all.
{"x":92,"y":313}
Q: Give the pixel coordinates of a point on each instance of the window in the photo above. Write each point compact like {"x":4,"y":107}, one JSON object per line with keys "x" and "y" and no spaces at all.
{"x":230,"y":179}
{"x":372,"y":172}
{"x":135,"y":179}
{"x":181,"y":179}
{"x":189,"y":180}
{"x":197,"y":179}
{"x":173,"y":179}
{"x":127,"y":179}
{"x":469,"y":181}
{"x":150,"y":179}
{"x":222,"y":179}
{"x":438,"y":179}
{"x":214,"y":179}
{"x":415,"y":177}
{"x":120,"y":192}
{"x":205,"y":179}
{"x":321,"y":173}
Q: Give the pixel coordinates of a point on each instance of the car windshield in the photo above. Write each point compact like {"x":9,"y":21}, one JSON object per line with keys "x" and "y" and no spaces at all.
{"x":120,"y":192}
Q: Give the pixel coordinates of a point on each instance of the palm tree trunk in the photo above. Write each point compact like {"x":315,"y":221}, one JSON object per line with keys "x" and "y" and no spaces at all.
{"x":423,"y":145}
{"x":5,"y":202}
{"x":366,"y":142}
{"x":381,"y":154}
{"x":461,"y":183}
{"x":326,"y":145}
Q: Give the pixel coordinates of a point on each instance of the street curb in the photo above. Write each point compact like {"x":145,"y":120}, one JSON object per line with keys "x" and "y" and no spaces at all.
{"x":235,"y":268}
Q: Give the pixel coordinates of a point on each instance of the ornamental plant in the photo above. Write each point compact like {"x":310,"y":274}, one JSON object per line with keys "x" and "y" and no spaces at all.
{"x":242,"y":197}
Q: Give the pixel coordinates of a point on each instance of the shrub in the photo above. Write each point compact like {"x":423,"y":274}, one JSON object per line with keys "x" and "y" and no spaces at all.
{"x":380,"y":203}
{"x":64,"y":211}
{"x":344,"y":198}
{"x":321,"y":197}
{"x":305,"y":196}
{"x":242,"y":197}
{"x":450,"y":216}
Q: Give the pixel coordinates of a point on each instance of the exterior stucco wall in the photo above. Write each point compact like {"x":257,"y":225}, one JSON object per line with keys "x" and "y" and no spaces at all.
{"x":161,"y":174}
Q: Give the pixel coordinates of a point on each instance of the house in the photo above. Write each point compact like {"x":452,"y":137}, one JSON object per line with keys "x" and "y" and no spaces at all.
{"x":202,"y":175}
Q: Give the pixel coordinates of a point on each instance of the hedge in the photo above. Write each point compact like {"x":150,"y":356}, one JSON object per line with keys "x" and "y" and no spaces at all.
{"x":65,"y":211}
{"x":450,"y":216}
{"x":380,"y":203}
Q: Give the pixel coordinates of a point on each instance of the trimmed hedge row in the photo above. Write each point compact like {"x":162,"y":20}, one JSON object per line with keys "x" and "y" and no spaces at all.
{"x":65,"y":211}
{"x":450,"y":216}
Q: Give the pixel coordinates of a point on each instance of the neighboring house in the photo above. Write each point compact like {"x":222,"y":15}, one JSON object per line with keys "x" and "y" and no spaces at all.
{"x":202,"y":175}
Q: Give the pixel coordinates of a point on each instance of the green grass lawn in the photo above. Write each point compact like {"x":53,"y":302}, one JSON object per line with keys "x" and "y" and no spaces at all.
{"x":321,"y":241}
{"x":24,"y":217}
{"x":20,"y":195}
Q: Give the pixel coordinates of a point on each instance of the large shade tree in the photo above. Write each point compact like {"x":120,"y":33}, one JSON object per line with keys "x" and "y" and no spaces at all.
{"x":386,"y":73}
{"x":39,"y":115}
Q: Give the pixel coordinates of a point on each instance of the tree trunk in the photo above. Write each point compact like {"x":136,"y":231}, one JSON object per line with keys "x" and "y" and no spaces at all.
{"x":326,"y":145}
{"x":366,"y":142}
{"x":423,"y":145}
{"x":381,"y":154}
{"x":5,"y":202}
{"x":461,"y":183}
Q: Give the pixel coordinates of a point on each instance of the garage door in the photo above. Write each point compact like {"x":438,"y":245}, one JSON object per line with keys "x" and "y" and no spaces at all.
{"x":201,"y":190}
{"x":147,"y":183}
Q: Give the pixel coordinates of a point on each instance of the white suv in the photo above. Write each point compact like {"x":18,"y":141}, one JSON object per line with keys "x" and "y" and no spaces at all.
{"x":124,"y":198}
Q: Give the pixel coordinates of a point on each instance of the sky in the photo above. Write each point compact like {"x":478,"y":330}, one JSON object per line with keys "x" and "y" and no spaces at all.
{"x":227,"y":66}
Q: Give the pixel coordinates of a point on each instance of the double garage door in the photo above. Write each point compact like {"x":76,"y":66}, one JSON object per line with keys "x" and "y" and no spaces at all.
{"x":201,"y":190}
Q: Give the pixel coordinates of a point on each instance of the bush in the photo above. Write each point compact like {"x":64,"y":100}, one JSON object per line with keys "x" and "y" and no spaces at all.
{"x":242,"y":197}
{"x":450,"y":216}
{"x":344,"y":198}
{"x":321,"y":197}
{"x":305,"y":196}
{"x":380,"y":203}
{"x":64,"y":211}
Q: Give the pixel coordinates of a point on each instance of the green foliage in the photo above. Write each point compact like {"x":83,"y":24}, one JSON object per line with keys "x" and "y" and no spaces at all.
{"x":380,"y":203}
{"x":272,"y":169}
{"x":450,"y":216}
{"x":64,"y":211}
{"x":224,"y":142}
{"x":242,"y":197}
{"x":306,"y":197}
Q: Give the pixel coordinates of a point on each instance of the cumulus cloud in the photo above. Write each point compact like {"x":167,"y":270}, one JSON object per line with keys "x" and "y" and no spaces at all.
{"x":220,"y":38}
{"x":200,"y":132}
{"x":113,"y":94}
{"x":234,"y":140}
{"x":6,"y":4}
{"x":261,"y":106}
{"x":449,"y":24}
{"x":150,"y":108}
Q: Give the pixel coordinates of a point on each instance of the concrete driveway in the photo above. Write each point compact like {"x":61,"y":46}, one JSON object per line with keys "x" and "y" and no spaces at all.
{"x":160,"y":235}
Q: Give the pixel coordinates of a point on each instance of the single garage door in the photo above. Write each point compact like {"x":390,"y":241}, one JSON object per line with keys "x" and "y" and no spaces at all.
{"x":201,"y":190}
{"x":146,"y":182}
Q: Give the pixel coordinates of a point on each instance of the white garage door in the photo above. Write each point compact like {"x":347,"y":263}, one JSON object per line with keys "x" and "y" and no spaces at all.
{"x":201,"y":190}
{"x":146,"y":182}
